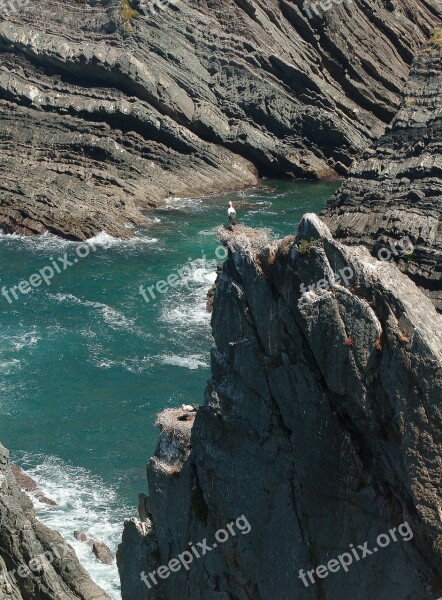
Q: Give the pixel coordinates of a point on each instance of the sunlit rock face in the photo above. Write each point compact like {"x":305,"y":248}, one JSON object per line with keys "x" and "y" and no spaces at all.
{"x":393,"y":195}
{"x":106,"y":110}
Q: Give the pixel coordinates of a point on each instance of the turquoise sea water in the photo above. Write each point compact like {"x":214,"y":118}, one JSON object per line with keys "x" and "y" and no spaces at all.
{"x":86,"y":363}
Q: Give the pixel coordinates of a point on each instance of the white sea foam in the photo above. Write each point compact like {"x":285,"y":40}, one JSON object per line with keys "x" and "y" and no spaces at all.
{"x":112,"y":317}
{"x":262,"y":212}
{"x":176,"y":203}
{"x":21,"y":340}
{"x":211,"y":276}
{"x":8,"y":366}
{"x":184,"y":314}
{"x":208,"y":232}
{"x":187,"y":308}
{"x":47,"y":242}
{"x":105,"y":240}
{"x":134,"y":365}
{"x":200,"y":275}
{"x":85,"y":503}
{"x":193,"y":361}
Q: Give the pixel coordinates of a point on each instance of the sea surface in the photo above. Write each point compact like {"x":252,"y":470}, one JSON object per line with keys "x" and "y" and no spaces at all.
{"x":86,"y":362}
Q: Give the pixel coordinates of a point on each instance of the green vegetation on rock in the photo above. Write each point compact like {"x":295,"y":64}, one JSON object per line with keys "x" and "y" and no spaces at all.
{"x":128,"y":12}
{"x":305,"y":246}
{"x":436,"y":38}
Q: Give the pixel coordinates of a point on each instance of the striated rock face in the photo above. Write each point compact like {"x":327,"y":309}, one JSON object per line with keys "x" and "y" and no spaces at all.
{"x":102,"y":119}
{"x":395,"y":191}
{"x":35,"y":562}
{"x":322,"y":425}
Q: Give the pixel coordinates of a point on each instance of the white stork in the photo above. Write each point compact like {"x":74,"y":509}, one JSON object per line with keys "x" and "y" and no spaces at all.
{"x":232,"y":214}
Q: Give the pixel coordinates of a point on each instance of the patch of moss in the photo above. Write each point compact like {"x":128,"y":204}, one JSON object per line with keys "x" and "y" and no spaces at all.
{"x":305,"y":246}
{"x":436,"y":38}
{"x":128,"y":13}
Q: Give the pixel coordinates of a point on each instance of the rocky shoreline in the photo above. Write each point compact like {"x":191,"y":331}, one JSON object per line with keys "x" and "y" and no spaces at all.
{"x":35,"y":561}
{"x":321,"y":424}
{"x":104,"y":115}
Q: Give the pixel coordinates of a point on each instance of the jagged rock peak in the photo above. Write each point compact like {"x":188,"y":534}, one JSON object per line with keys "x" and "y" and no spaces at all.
{"x":321,"y":424}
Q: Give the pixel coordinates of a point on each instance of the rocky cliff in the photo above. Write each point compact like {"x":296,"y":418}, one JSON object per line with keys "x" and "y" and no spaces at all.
{"x":321,"y":425}
{"x":35,"y":562}
{"x":322,"y":421}
{"x":395,"y":191}
{"x":106,"y":110}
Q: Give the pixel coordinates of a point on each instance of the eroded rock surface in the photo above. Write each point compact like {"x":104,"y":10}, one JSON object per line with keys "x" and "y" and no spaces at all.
{"x":395,"y":191}
{"x":27,"y":484}
{"x":103,"y":553}
{"x":322,"y":424}
{"x":101,"y":118}
{"x":35,"y":562}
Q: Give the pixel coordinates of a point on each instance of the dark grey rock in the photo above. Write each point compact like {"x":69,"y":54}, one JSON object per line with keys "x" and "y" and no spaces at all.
{"x":321,"y":424}
{"x":35,"y":562}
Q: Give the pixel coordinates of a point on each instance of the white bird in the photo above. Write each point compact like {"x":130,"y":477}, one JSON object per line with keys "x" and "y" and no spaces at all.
{"x":187,"y":408}
{"x":232,"y":214}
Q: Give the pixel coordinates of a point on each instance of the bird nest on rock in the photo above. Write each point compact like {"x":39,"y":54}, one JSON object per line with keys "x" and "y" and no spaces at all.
{"x":240,"y":237}
{"x":176,"y":423}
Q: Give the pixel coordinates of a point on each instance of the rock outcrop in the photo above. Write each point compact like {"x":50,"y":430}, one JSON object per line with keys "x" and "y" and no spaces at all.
{"x":322,"y":422}
{"x":106,"y":111}
{"x":322,"y":425}
{"x":35,"y":562}
{"x":395,"y":191}
{"x":103,"y":553}
{"x":27,"y":484}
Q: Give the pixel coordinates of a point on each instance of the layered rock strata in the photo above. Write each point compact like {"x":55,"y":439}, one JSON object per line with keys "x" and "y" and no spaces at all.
{"x":395,"y":190}
{"x":106,"y":111}
{"x":322,"y":420}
